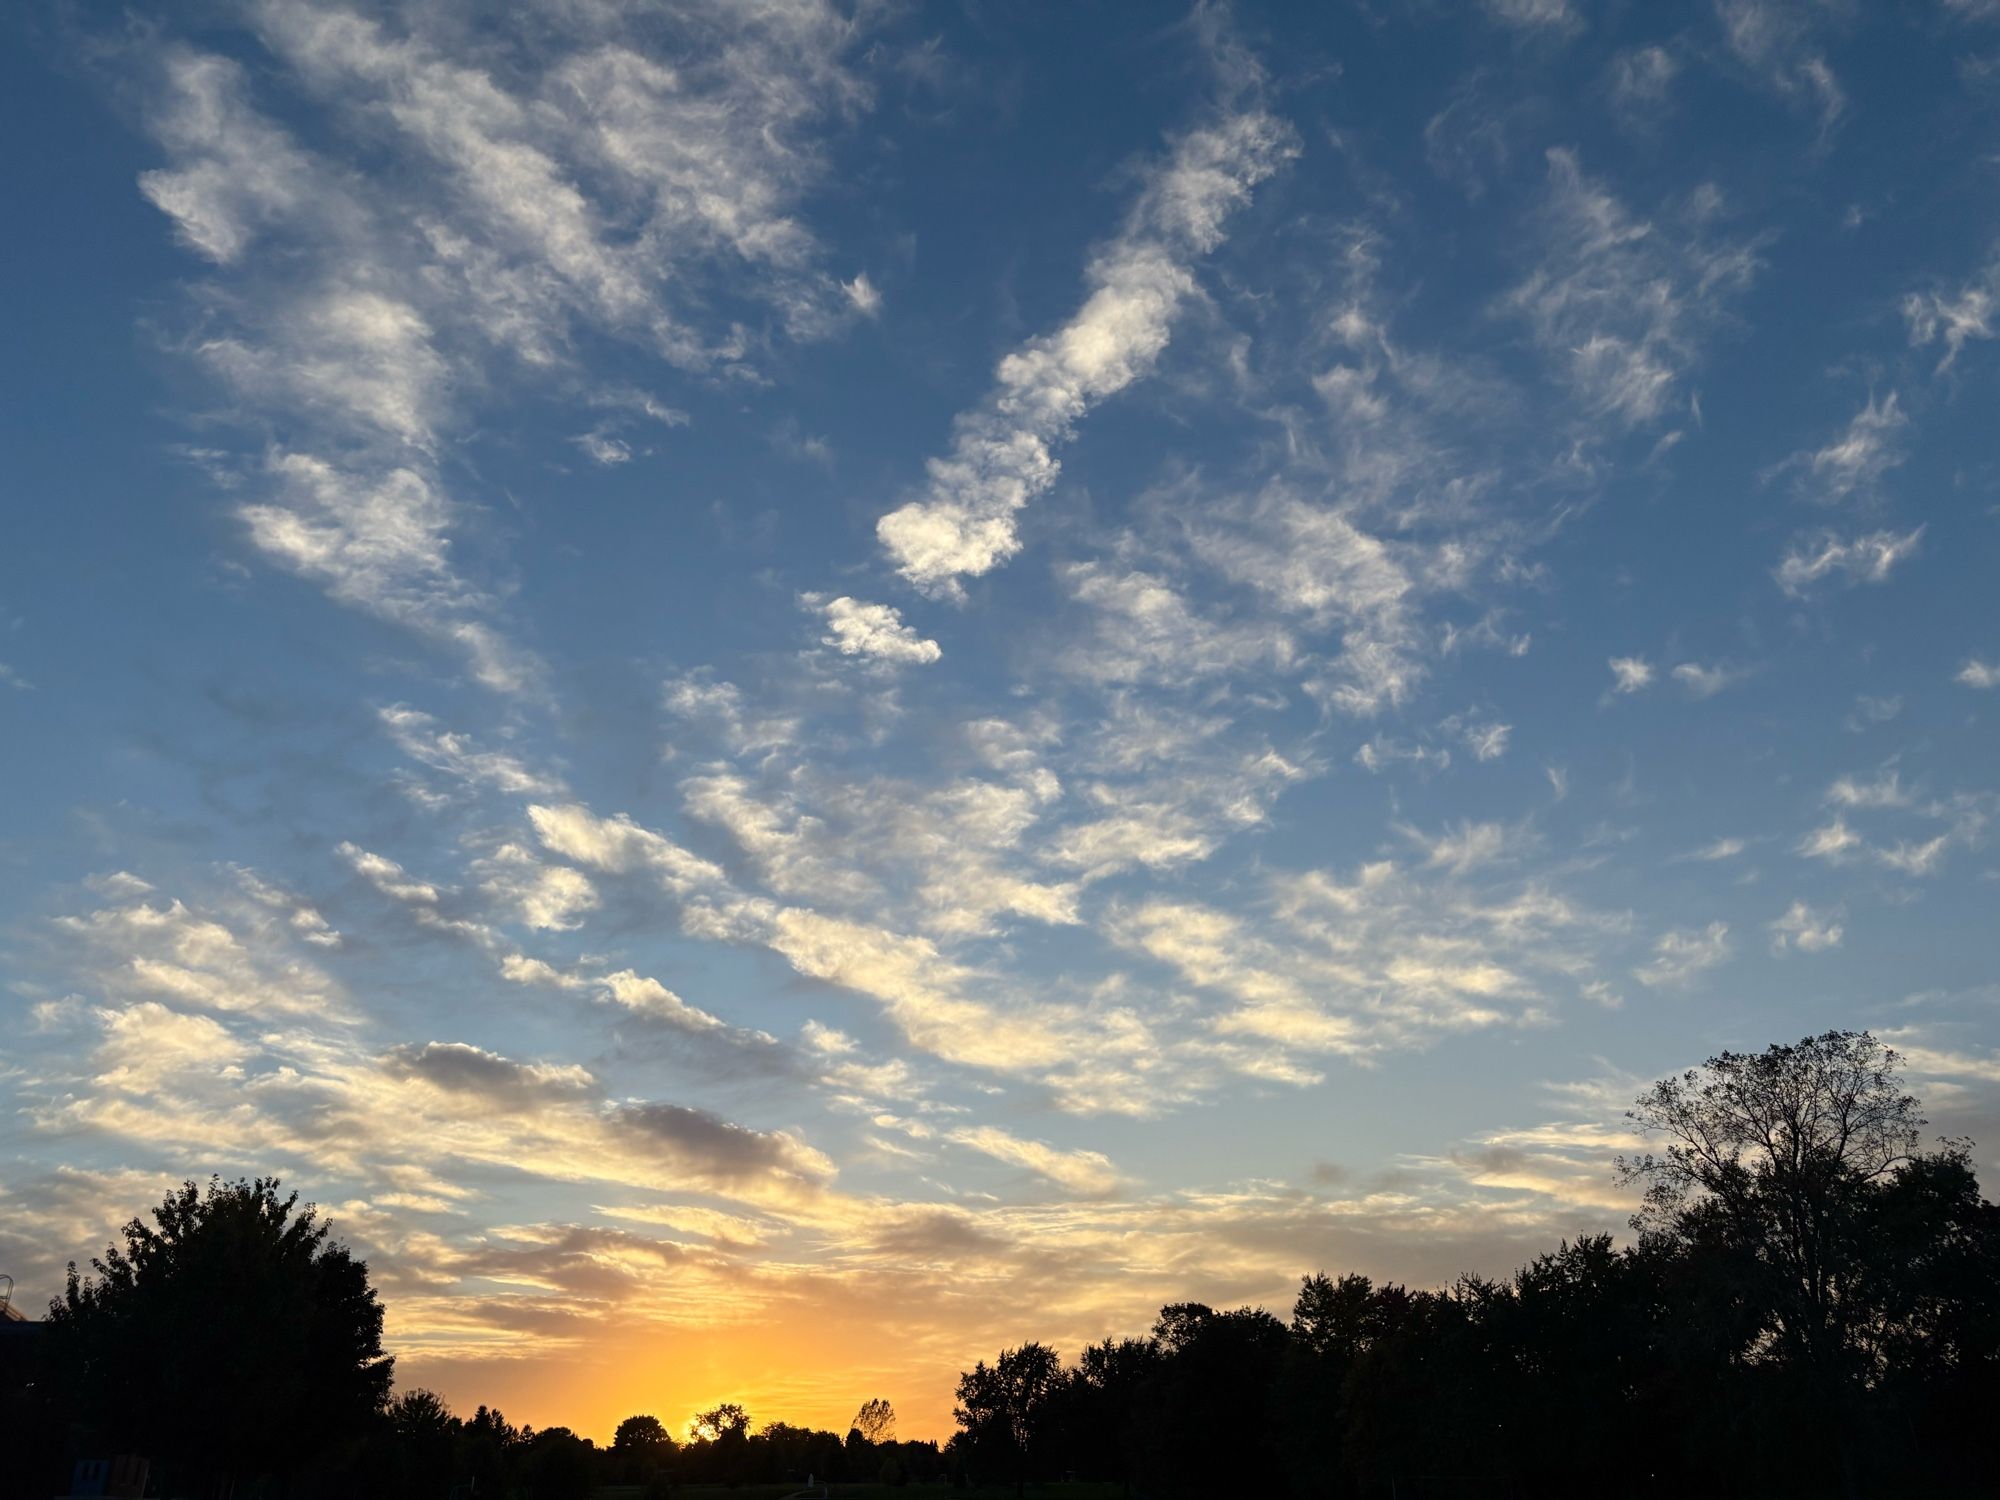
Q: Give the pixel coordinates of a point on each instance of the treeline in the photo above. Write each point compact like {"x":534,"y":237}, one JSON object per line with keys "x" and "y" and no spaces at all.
{"x":419,"y":1450}
{"x":1812,"y":1307}
{"x":236,"y":1348}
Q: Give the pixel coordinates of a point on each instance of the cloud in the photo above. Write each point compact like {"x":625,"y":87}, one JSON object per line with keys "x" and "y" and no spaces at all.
{"x":1002,"y":455}
{"x":1855,"y":463}
{"x":1804,"y":930}
{"x":1954,"y":319}
{"x":1831,"y":842}
{"x":461,"y":1068}
{"x":1859,"y":559}
{"x":1466,"y":847}
{"x":1316,"y":564}
{"x":1778,"y":41}
{"x":1705,"y":682}
{"x":418,"y":736}
{"x":1978,"y":674}
{"x":876,"y":631}
{"x":619,"y":846}
{"x":1551,"y":15}
{"x":1885,"y":791}
{"x":1143,"y":629}
{"x":1630,"y":673}
{"x":717,"y":1148}
{"x":229,"y":962}
{"x":1721,"y":849}
{"x":1870,"y":710}
{"x":612,"y":178}
{"x":1622,"y":303}
{"x":377,"y":539}
{"x":235,"y":173}
{"x":1642,"y":78}
{"x":546,"y":897}
{"x":1089,"y":1173}
{"x":146,"y":1043}
{"x":1680,"y":955}
{"x":13,"y":679}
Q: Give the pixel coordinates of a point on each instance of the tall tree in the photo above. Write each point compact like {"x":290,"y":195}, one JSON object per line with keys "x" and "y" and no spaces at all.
{"x":1770,"y":1155}
{"x":231,"y":1335}
{"x":876,"y":1421}
{"x":1006,"y":1410}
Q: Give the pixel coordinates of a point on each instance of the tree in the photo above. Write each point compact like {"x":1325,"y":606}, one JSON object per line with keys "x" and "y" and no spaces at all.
{"x":232,"y":1336}
{"x":876,"y":1421}
{"x":557,"y":1465}
{"x":639,"y":1434}
{"x":1209,"y":1405}
{"x":719,"y":1423}
{"x":426,"y":1437}
{"x":639,"y":1447}
{"x":1792,"y":1189}
{"x":1104,"y":1404}
{"x":1005,"y":1410}
{"x":1768,"y":1157}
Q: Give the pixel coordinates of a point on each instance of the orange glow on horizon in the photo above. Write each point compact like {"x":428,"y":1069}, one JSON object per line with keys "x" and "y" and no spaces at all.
{"x":808,"y":1377}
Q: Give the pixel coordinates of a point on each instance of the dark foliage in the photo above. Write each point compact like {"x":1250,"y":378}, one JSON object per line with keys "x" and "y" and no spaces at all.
{"x":230,"y":1337}
{"x":1812,"y":1308}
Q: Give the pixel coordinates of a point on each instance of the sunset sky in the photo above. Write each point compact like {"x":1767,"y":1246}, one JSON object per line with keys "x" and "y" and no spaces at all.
{"x":783,"y":691}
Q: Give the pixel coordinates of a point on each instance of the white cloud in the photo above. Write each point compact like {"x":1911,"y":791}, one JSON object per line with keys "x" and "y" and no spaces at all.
{"x":1630,"y":673}
{"x":1144,"y":629}
{"x":1465,"y":847}
{"x":1721,"y":849}
{"x":1873,"y":710}
{"x":1778,"y":42}
{"x":1001,"y":457}
{"x":1805,"y":930}
{"x":1955,"y":319}
{"x":1705,"y":682}
{"x":1642,"y":78}
{"x":1855,"y":462}
{"x":546,"y":897}
{"x":1680,"y":955}
{"x":872,"y":630}
{"x":1832,"y":842}
{"x":13,"y":679}
{"x":1087,"y":1172}
{"x":380,"y":541}
{"x":235,"y":172}
{"x":1860,"y":559}
{"x":419,"y":736}
{"x":1885,"y":791}
{"x":1553,"y":15}
{"x":1620,"y":302}
{"x":1978,"y":674}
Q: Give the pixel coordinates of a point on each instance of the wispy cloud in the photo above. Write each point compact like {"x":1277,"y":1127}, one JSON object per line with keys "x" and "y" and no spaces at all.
{"x":1002,"y":457}
{"x":1680,"y":955}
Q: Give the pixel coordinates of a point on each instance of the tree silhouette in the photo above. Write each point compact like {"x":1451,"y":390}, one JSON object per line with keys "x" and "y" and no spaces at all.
{"x":1005,"y":1409}
{"x":426,"y":1437}
{"x":230,"y":1336}
{"x":719,"y":1423}
{"x":640,"y":1434}
{"x":876,"y":1421}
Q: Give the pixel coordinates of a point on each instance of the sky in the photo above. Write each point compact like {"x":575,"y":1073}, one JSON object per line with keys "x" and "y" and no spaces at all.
{"x":783,"y":692}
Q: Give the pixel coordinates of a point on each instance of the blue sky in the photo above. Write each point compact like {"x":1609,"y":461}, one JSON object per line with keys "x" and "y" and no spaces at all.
{"x":784,"y":691}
